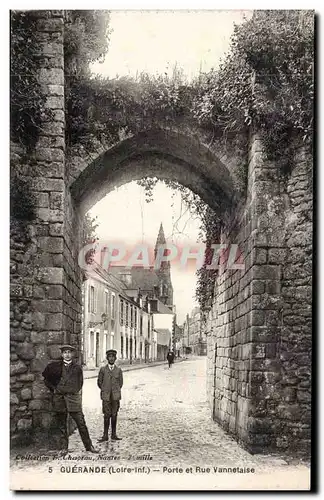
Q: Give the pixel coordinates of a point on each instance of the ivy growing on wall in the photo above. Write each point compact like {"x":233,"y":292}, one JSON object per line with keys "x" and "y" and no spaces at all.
{"x":26,"y":110}
{"x":26,"y":99}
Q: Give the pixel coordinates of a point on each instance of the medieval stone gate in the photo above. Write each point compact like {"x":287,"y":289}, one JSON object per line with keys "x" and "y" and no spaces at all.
{"x":259,"y":328}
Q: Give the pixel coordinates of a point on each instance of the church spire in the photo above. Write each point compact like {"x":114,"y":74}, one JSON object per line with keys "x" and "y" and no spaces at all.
{"x":163,"y":273}
{"x":160,"y":240}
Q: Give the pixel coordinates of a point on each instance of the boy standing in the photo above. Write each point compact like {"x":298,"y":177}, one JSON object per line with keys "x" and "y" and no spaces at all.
{"x":110,"y":382}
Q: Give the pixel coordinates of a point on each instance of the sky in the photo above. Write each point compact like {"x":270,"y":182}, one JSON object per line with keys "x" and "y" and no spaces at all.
{"x":156,"y":41}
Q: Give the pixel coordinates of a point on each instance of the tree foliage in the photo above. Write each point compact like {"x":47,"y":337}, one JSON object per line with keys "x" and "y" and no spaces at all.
{"x":26,"y":97}
{"x":90,"y":226}
{"x":86,"y":39}
{"x":108,"y":110}
{"x":265,"y":82}
{"x":89,"y":236}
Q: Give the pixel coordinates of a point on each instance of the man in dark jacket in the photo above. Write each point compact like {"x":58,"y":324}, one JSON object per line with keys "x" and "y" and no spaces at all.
{"x":64,"y":378}
{"x":170,"y":358}
{"x":110,"y":382}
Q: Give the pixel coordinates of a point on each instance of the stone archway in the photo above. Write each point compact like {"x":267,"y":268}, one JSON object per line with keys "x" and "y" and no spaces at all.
{"x":259,"y":329}
{"x":162,"y":154}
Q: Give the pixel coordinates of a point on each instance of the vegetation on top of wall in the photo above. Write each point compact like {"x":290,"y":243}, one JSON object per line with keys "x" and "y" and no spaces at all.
{"x":107,"y":110}
{"x":265,"y":82}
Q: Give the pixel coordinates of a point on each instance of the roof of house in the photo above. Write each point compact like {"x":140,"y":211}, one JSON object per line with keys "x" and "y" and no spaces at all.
{"x":162,"y":308}
{"x":100,"y":274}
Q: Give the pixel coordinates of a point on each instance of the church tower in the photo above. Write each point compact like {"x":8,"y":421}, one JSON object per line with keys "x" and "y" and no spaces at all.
{"x":165,"y":293}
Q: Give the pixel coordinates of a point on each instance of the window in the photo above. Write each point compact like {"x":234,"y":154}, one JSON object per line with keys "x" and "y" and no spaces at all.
{"x":121,"y":317}
{"x":126,"y":347}
{"x":131,"y":315}
{"x":141,"y":325}
{"x":135,"y":344}
{"x":106,"y":302}
{"x":149,"y":327}
{"x":135,"y":318}
{"x":126,"y":314}
{"x":113,"y":304}
{"x":92,"y":299}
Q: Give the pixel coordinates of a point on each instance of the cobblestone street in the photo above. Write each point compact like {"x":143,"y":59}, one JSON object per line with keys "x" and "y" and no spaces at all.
{"x":163,"y":415}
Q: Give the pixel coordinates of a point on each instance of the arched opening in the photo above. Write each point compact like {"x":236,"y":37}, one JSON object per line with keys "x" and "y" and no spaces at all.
{"x":161,"y":154}
{"x":164,"y":155}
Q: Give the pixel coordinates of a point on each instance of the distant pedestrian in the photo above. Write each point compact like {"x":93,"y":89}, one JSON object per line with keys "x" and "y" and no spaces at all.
{"x":64,"y":378}
{"x":170,"y":358}
{"x":110,"y":382}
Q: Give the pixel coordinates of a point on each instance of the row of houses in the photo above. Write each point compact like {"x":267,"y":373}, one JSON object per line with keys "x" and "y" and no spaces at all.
{"x":130,"y":310}
{"x":138,"y":326}
{"x":191,"y":338}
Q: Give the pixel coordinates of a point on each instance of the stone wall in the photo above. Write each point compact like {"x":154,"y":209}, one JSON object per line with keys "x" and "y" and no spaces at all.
{"x":37,"y":267}
{"x":294,"y":349}
{"x":229,"y":345}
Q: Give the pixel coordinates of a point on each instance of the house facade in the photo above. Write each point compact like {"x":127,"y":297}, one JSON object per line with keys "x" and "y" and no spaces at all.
{"x":113,"y":320}
{"x":194,"y":340}
{"x":100,"y":329}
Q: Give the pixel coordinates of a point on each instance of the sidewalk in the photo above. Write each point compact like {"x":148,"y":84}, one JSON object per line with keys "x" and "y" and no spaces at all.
{"x":126,"y":368}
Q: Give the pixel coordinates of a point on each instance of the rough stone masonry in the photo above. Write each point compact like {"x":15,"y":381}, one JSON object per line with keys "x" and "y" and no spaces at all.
{"x":259,"y":328}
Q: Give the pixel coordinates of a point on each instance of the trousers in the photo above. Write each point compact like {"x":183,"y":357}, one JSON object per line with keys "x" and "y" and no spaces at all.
{"x":78,"y":418}
{"x":110,"y":408}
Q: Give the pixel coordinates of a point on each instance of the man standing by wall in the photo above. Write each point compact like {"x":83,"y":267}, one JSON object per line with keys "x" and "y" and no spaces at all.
{"x":64,"y":378}
{"x":110,"y":382}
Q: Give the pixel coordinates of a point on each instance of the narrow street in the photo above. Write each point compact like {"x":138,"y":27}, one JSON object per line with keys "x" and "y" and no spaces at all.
{"x":163,"y":415}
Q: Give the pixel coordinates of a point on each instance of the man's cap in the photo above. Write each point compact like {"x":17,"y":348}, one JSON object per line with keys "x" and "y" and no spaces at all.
{"x":67,"y":347}
{"x":111,"y":351}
